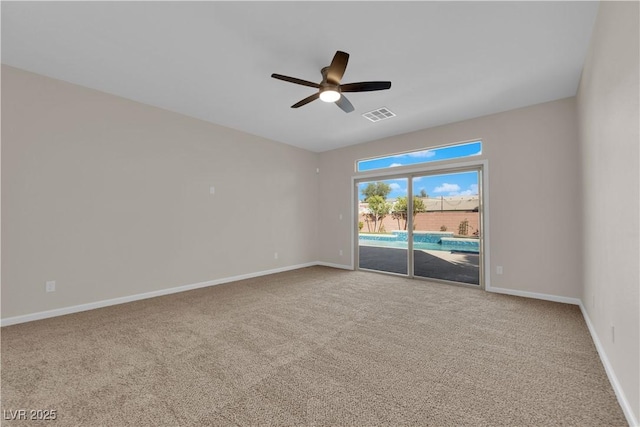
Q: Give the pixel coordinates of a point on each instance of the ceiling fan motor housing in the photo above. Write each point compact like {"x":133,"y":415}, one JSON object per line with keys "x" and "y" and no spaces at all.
{"x":332,"y":89}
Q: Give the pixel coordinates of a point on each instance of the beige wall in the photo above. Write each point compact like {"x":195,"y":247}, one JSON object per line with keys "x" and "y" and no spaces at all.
{"x":531,"y":152}
{"x":609,"y":140}
{"x":111,"y":198}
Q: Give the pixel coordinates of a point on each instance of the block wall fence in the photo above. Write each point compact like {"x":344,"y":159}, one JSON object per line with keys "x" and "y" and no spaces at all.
{"x":431,"y":221}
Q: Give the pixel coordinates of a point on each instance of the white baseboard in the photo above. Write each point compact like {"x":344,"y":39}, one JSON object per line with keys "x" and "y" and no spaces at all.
{"x":613,"y":379}
{"x":535,"y":295}
{"x":330,"y":264}
{"x":121,"y":300}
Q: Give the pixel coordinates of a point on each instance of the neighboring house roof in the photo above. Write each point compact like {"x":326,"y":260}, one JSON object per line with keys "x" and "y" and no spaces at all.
{"x":444,"y":203}
{"x":451,"y":203}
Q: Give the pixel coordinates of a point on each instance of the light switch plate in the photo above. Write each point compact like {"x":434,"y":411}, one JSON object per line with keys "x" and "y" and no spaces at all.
{"x":50,"y":286}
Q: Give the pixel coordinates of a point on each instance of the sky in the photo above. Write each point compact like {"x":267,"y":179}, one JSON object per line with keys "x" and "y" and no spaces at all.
{"x":452,"y":184}
{"x":424,"y":156}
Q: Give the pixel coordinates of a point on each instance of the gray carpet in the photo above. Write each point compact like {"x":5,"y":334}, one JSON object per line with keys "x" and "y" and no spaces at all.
{"x":315,"y":346}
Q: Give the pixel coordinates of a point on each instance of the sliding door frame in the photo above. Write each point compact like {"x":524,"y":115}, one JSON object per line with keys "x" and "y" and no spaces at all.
{"x":356,"y":214}
{"x":481,"y":166}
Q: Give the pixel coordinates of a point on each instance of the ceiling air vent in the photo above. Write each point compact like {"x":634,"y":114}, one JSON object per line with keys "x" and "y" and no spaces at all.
{"x":379,"y":114}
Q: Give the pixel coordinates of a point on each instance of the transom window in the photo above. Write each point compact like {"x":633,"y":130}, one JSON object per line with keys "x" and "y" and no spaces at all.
{"x":448,"y":152}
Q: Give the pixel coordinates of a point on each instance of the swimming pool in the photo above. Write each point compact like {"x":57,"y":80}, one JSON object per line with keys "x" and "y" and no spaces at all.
{"x":429,"y":240}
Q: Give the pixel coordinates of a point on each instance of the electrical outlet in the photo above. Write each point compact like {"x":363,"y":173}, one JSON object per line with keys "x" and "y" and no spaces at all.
{"x":499,"y":269}
{"x":340,"y":252}
{"x":50,"y":286}
{"x":275,"y":255}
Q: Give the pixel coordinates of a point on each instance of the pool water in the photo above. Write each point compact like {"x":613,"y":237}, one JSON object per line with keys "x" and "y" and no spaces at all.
{"x":428,"y":240}
{"x":402,"y":245}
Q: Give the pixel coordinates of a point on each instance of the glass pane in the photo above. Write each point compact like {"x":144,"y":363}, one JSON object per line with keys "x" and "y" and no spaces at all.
{"x":382,"y":236}
{"x":448,"y":152}
{"x":446,"y":237}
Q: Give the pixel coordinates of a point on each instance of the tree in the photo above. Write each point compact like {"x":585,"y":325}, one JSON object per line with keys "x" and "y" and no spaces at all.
{"x":379,"y":188}
{"x":378,"y":209}
{"x":400,"y":209}
{"x":375,"y":195}
{"x":397,"y":214}
{"x":423,"y":193}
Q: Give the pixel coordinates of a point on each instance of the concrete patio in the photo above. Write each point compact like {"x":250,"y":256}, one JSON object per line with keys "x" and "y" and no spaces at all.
{"x":443,"y":265}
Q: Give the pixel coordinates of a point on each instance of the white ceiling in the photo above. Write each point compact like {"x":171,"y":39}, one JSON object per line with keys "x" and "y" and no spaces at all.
{"x":447,"y":61}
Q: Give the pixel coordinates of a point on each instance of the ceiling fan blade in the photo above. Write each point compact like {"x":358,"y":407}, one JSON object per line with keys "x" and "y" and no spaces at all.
{"x":337,"y":67}
{"x":296,"y":81}
{"x":344,"y":104}
{"x":364,"y":86}
{"x":307,"y":100}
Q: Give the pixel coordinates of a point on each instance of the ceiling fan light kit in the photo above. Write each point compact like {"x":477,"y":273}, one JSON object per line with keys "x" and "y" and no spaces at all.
{"x":330,"y":89}
{"x":329,"y":94}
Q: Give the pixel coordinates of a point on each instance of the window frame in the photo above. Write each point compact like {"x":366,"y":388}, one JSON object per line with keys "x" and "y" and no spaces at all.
{"x":433,"y":148}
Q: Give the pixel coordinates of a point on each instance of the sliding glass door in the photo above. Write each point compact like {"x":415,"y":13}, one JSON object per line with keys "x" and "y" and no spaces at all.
{"x":382,"y":240}
{"x":426,"y":225}
{"x":446,"y":227}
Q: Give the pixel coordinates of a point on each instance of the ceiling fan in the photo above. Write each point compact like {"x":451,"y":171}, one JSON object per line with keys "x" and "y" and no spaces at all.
{"x":330,"y":89}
